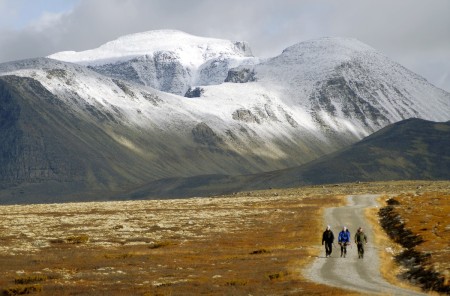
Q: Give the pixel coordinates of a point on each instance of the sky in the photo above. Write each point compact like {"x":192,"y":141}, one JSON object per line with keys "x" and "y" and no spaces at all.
{"x":414,"y":33}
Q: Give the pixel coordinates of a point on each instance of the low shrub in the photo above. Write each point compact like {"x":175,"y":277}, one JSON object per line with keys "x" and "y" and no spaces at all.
{"x":276,"y":276}
{"x":78,"y":239}
{"x":260,"y":251}
{"x":30,"y":279}
{"x":161,"y":244}
{"x":237,"y":282}
{"x":118,"y":256}
{"x":57,"y":241}
{"x":22,"y":290}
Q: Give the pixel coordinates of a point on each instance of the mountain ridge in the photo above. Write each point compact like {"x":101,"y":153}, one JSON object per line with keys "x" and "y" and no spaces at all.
{"x":269,"y":115}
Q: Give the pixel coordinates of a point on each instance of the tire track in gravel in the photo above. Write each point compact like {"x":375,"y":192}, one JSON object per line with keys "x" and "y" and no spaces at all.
{"x":362,"y":275}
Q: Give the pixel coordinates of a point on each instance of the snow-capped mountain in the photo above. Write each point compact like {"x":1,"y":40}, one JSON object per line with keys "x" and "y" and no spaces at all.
{"x":167,"y":60}
{"x":145,"y":120}
{"x":116,"y":117}
{"x":341,"y":83}
{"x":337,"y":85}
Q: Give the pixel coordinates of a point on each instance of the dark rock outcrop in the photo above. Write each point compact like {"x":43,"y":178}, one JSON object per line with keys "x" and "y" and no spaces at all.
{"x":246,"y":116}
{"x":194,"y":92}
{"x":162,"y":71}
{"x":203,"y":134}
{"x":240,"y":75}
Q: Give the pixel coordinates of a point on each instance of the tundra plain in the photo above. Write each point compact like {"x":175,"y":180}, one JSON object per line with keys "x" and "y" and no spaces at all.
{"x":257,"y":242}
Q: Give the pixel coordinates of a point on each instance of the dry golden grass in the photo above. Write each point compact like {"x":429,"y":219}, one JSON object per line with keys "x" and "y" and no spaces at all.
{"x":428,"y":215}
{"x":390,"y":269}
{"x":248,"y":243}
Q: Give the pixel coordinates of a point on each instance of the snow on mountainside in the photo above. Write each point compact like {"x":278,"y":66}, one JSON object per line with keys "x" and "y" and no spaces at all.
{"x":342,"y":85}
{"x":192,"y":50}
{"x":323,"y":93}
{"x":167,"y":60}
{"x":314,"y":98}
{"x":180,"y":136}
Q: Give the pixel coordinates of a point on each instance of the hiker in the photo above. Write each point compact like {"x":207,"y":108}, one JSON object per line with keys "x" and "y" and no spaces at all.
{"x":328,"y":239}
{"x":360,"y":240}
{"x":344,"y":240}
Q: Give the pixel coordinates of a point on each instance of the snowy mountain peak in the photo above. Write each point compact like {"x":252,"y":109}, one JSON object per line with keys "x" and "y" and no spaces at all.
{"x":331,"y":44}
{"x":190,"y":49}
{"x":325,"y":53}
{"x":168,"y":60}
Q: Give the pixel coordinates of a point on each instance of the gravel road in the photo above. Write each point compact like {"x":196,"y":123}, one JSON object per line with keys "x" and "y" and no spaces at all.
{"x":362,"y":275}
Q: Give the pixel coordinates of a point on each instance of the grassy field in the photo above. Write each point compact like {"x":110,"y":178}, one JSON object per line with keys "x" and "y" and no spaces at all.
{"x":254,"y":243}
{"x":431,"y":221}
{"x":420,"y":224}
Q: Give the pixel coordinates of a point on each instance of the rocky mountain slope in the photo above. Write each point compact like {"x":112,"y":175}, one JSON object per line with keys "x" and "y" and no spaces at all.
{"x":412,"y":149}
{"x":102,"y":124}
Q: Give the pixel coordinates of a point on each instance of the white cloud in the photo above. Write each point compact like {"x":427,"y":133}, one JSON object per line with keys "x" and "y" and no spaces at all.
{"x":412,"y":32}
{"x":47,"y":21}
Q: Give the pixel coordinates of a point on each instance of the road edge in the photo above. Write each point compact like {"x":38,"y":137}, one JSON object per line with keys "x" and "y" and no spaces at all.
{"x":389,"y":269}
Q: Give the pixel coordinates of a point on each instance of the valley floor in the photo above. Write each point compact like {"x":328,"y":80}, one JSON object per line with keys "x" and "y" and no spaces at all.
{"x":247,"y":243}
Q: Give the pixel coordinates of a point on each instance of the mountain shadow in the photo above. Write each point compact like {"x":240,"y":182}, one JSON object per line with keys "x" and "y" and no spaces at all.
{"x":50,"y":154}
{"x":412,"y":149}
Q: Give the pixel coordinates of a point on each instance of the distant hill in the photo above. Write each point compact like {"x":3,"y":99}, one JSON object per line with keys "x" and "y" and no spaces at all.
{"x":410,"y":149}
{"x":413,"y":149}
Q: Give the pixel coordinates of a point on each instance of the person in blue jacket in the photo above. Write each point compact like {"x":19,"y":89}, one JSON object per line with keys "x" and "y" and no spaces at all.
{"x":344,"y":240}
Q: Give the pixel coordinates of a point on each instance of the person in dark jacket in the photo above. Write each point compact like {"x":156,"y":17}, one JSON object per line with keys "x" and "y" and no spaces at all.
{"x":328,"y":239}
{"x":344,"y":240}
{"x":360,"y":240}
